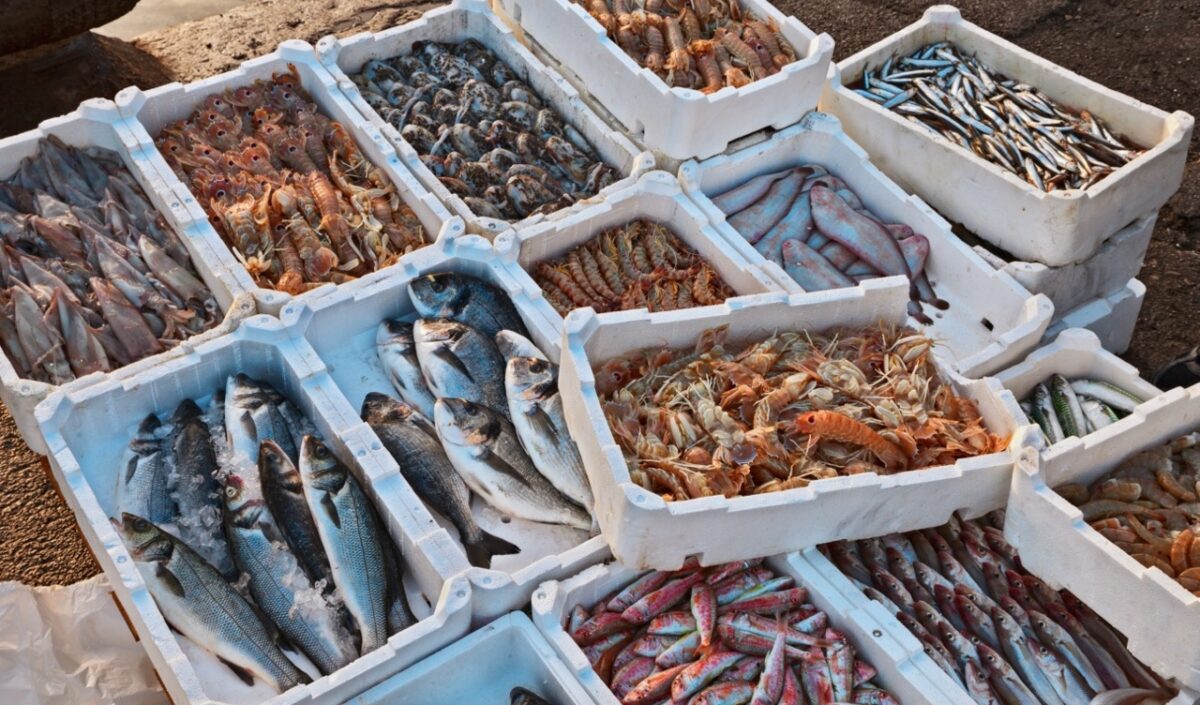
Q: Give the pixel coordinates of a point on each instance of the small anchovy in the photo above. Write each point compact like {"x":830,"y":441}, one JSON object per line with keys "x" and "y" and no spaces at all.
{"x":1010,"y":124}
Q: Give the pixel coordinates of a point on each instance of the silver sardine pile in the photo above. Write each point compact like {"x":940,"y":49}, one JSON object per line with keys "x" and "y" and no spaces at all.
{"x":92,"y":277}
{"x":1002,"y":634}
{"x":1002,"y":120}
{"x":484,"y":133}
{"x":480,"y":413}
{"x":809,"y":222}
{"x":727,"y":635}
{"x":1063,"y":408}
{"x":246,"y":527}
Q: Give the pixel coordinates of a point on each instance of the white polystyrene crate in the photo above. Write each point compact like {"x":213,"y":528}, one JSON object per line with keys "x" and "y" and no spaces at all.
{"x":1076,"y":353}
{"x":882,"y":647}
{"x":88,"y":430}
{"x":150,"y":111}
{"x":644,"y":530}
{"x":991,"y":322}
{"x":341,"y":325}
{"x":675,"y":122}
{"x":471,"y":19}
{"x":656,"y":196}
{"x":97,"y":122}
{"x":1111,"y":317}
{"x":485,"y":666}
{"x":1159,"y":617}
{"x":1119,"y":259}
{"x":1055,"y":228}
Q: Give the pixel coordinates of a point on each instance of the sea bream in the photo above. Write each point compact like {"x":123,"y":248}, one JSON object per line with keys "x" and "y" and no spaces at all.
{"x":482,"y":445}
{"x":398,"y":356}
{"x":460,"y":362}
{"x":201,"y":605}
{"x":413,"y":442}
{"x":466,"y":299}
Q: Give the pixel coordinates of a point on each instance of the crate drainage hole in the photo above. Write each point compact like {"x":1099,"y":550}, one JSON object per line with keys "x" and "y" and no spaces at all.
{"x":505,"y":520}
{"x":988,"y":324}
{"x":876,"y":633}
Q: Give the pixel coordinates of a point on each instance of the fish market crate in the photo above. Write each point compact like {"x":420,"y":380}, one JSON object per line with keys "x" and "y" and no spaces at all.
{"x":1111,"y":317}
{"x":1156,"y":613}
{"x":472,"y":19}
{"x":341,"y":327}
{"x":1076,"y":353}
{"x":98,"y":123}
{"x":1119,"y":259}
{"x":675,"y":122}
{"x":1055,"y":228}
{"x":644,"y":530}
{"x":485,"y":666}
{"x":898,"y":671}
{"x":657,"y":197}
{"x":991,"y":321}
{"x":88,"y":430}
{"x":149,"y":111}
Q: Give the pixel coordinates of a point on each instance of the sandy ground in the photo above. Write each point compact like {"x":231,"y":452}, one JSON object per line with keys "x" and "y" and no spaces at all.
{"x":1148,"y":50}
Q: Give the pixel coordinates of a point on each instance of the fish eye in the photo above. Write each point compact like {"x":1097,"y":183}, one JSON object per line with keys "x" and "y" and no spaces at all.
{"x":141,"y":525}
{"x":436,"y":284}
{"x":537,"y":366}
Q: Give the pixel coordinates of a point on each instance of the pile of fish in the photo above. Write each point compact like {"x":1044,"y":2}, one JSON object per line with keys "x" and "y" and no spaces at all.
{"x":480,"y":413}
{"x":809,"y":222}
{"x":776,"y":414}
{"x":92,"y":277}
{"x":1002,"y":634}
{"x":485,"y":134}
{"x":287,"y":188}
{"x":1004,"y":121}
{"x":701,"y":45}
{"x":724,"y":635}
{"x":637,"y":265}
{"x":1063,"y":408}
{"x":1149,"y":506}
{"x":247,"y":528}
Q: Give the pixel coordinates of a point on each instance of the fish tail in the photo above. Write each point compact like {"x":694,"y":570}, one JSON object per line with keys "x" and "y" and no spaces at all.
{"x":480,"y":552}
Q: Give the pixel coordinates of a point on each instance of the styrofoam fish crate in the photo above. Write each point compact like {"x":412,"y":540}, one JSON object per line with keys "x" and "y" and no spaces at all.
{"x":1158,"y":615}
{"x":991,"y":322}
{"x":1055,"y":228}
{"x":644,"y":530}
{"x":341,"y":327}
{"x":882,"y":647}
{"x":675,"y":122}
{"x":96,"y":122}
{"x":1111,"y":317}
{"x":472,"y":19}
{"x":656,"y":196}
{"x":88,"y":431}
{"x":485,"y":666}
{"x":150,"y":111}
{"x":1075,"y":354}
{"x":1119,"y":259}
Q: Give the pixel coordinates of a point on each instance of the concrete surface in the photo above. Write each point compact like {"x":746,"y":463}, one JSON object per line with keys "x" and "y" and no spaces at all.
{"x":151,"y":15}
{"x":1149,"y":50}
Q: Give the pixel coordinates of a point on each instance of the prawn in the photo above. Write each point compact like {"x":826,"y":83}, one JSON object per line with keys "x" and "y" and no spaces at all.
{"x":842,"y":428}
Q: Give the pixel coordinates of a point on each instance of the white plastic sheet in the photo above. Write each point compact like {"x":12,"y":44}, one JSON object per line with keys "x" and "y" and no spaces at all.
{"x":70,"y":646}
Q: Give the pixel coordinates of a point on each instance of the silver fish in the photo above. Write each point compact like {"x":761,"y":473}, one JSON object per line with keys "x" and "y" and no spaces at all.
{"x":512,"y":344}
{"x":461,"y":362}
{"x":398,"y":355}
{"x":253,"y":414}
{"x":283,"y":491}
{"x":468,"y":300}
{"x":143,"y":489}
{"x":196,"y":489}
{"x":202,"y":606}
{"x":483,"y":447}
{"x":537,"y":415}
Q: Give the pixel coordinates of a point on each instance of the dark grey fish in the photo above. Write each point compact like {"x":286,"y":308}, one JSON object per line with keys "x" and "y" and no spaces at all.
{"x":461,"y":362}
{"x":196,"y":490}
{"x":283,"y":490}
{"x":465,"y":299}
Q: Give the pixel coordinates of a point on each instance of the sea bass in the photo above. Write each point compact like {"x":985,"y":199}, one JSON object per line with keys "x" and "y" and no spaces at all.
{"x":196,"y":489}
{"x":398,"y":355}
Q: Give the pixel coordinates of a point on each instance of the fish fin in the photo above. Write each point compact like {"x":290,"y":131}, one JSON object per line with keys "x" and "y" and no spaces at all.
{"x":168,"y":579}
{"x":131,"y":470}
{"x":544,"y":424}
{"x":330,"y":509}
{"x":243,"y":675}
{"x":448,"y":356}
{"x":479,"y":553}
{"x":500,"y":465}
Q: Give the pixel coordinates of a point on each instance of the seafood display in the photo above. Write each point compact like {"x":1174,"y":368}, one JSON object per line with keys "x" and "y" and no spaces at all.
{"x":775,"y":414}
{"x":999,"y":632}
{"x":809,"y":222}
{"x":246,"y":527}
{"x":479,"y":412}
{"x":724,"y":635}
{"x":1007,"y":122}
{"x":641,"y":264}
{"x":705,"y":45}
{"x":287,"y":188}
{"x":1063,"y":408}
{"x":485,"y":134}
{"x":91,"y":276}
{"x":1148,"y":506}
